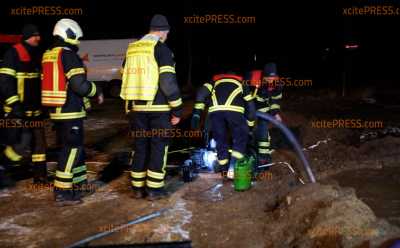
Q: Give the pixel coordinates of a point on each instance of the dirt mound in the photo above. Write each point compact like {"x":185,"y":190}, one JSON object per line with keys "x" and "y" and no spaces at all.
{"x":318,"y":215}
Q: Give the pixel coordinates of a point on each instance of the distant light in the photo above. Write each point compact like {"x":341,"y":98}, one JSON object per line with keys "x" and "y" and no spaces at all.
{"x":349,"y":46}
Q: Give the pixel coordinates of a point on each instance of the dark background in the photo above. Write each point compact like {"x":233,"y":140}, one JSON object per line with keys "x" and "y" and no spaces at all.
{"x":306,"y":39}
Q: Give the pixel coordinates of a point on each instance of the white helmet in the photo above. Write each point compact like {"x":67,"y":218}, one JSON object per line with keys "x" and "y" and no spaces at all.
{"x":69,"y":30}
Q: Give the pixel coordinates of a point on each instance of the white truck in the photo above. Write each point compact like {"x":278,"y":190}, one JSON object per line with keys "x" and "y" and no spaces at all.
{"x":103,"y":60}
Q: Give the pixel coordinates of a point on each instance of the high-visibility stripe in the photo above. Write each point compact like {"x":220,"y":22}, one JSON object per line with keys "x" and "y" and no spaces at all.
{"x":37,"y":112}
{"x":175,"y":103}
{"x":151,"y":184}
{"x":275,"y":106}
{"x":12,"y":99}
{"x":7,"y":109}
{"x":38,"y":157}
{"x":223,"y":161}
{"x":138,"y":184}
{"x":151,"y":108}
{"x":127,"y":106}
{"x":62,"y":185}
{"x":71,"y":159}
{"x":11,"y":154}
{"x":264,"y":151}
{"x":156,"y":175}
{"x":232,"y":96}
{"x":226,"y":108}
{"x":250,"y":123}
{"x":53,"y":100}
{"x":199,"y":106}
{"x":61,"y":116}
{"x":28,"y":75}
{"x":165,"y":160}
{"x":56,"y":75}
{"x":214,"y":99}
{"x":54,"y":93}
{"x":277,"y":97}
{"x":264,"y":110}
{"x":8,"y":71}
{"x":237,"y":155}
{"x":248,"y":98}
{"x":64,"y":175}
{"x":87,"y":103}
{"x":93,"y":90}
{"x":79,"y":169}
{"x":72,"y":41}
{"x":263,"y":143}
{"x":75,"y":71}
{"x":208,"y":86}
{"x":228,"y":80}
{"x":79,"y":179}
{"x":51,"y":55}
{"x":260,"y":99}
{"x":138,"y":174}
{"x":20,"y":88}
{"x":167,"y":68}
{"x":255,"y":92}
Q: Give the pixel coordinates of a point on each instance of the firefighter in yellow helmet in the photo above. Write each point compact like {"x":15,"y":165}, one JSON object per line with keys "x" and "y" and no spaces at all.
{"x":62,"y":67}
{"x":154,"y":104}
{"x":20,"y":93}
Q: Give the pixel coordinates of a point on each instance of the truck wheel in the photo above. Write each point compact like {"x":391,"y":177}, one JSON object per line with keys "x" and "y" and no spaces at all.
{"x":115,"y":88}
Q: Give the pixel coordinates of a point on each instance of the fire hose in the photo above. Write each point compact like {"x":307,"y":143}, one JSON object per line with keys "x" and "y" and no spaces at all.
{"x":292,"y":139}
{"x":109,"y":232}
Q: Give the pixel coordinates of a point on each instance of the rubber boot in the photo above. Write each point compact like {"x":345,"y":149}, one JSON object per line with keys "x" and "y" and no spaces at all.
{"x":156,"y":194}
{"x":40,"y":173}
{"x":66,"y":197}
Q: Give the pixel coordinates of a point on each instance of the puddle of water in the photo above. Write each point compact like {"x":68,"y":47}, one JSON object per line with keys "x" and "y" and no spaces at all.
{"x":177,"y":217}
{"x":378,"y":188}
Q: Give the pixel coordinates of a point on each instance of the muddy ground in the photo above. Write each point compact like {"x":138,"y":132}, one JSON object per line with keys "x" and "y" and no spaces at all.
{"x":356,"y":202}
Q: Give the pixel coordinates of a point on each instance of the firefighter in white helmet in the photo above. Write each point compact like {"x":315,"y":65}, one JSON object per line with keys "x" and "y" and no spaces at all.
{"x":62,"y":66}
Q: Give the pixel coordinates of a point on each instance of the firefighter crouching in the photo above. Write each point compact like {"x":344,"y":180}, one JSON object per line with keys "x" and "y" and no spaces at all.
{"x":153,"y":103}
{"x":62,"y":67}
{"x":268,"y":94}
{"x":231,"y":112}
{"x":20,"y":92}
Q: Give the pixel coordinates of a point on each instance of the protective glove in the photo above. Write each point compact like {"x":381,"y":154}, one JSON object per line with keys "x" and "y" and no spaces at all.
{"x":17,"y":111}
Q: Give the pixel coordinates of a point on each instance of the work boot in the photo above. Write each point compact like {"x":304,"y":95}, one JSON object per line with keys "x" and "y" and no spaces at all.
{"x":5,"y":180}
{"x":39,"y":172}
{"x":139,"y":193}
{"x":156,"y":194}
{"x":66,"y":197}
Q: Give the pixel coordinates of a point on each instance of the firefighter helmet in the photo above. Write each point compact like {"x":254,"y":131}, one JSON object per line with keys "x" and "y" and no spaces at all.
{"x":69,"y":30}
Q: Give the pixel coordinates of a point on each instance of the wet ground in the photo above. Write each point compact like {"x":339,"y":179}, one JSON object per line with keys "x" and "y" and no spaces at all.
{"x":377,"y":188}
{"x":208,"y":211}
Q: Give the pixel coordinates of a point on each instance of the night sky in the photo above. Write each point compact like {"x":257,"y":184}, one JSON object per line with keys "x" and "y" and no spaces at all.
{"x":295,"y":34}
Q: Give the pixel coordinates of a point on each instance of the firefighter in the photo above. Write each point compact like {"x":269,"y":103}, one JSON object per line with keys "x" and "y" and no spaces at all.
{"x":62,"y":67}
{"x":153,"y":104}
{"x":231,"y":112}
{"x":267,"y":97}
{"x":20,"y":87}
